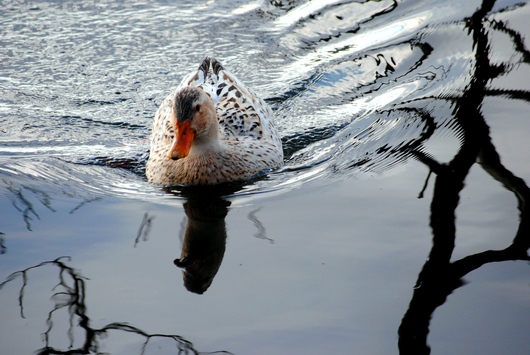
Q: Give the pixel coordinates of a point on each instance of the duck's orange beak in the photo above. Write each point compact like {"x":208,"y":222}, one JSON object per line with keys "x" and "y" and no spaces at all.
{"x":182,"y":141}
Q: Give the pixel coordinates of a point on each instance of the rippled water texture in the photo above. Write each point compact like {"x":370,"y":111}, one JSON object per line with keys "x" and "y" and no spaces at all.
{"x":362,"y":81}
{"x":368,"y":95}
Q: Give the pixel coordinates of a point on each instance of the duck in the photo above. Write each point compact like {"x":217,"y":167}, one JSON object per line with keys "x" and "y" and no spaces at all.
{"x":212,"y":129}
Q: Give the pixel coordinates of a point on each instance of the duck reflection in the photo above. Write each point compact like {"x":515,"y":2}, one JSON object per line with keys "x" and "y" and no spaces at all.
{"x":439,"y":276}
{"x":204,"y":243}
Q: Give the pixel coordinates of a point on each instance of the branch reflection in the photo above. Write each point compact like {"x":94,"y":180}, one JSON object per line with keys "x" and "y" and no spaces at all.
{"x":69,"y":295}
{"x":439,"y":276}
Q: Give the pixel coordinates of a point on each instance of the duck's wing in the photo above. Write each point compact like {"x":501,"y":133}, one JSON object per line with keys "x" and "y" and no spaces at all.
{"x":240,"y":111}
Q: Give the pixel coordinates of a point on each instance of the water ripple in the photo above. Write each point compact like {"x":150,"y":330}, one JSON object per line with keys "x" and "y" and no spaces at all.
{"x":356,"y":86}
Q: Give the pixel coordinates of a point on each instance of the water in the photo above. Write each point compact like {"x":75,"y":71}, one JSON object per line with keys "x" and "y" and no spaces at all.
{"x":378,"y":103}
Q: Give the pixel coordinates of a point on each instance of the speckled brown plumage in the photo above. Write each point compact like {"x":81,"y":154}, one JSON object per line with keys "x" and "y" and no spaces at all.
{"x":247,"y":144}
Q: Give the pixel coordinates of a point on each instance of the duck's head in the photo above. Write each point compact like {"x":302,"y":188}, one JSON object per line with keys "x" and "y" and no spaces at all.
{"x":194,"y":119}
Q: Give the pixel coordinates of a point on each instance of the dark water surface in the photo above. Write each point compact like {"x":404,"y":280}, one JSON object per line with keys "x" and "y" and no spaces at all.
{"x":399,"y":223}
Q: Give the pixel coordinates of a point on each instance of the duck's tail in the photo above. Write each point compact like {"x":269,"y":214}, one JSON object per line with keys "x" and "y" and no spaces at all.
{"x":210,"y":65}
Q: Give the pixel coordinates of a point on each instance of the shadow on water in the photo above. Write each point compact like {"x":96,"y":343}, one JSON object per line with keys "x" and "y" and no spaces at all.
{"x":439,"y":276}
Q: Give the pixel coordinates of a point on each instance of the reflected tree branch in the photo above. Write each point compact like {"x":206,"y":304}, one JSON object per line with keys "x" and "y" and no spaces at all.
{"x":144,"y":229}
{"x":21,"y":204}
{"x":83,"y":203}
{"x":70,"y":294}
{"x":262,"y":232}
{"x":3,"y":247}
{"x":517,"y":39}
{"x":439,"y":276}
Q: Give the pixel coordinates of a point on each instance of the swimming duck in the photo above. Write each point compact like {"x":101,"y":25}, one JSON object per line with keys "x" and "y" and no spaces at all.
{"x":224,"y":131}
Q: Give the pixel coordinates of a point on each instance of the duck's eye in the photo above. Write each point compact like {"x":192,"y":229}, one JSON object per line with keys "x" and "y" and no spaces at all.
{"x":198,"y":108}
